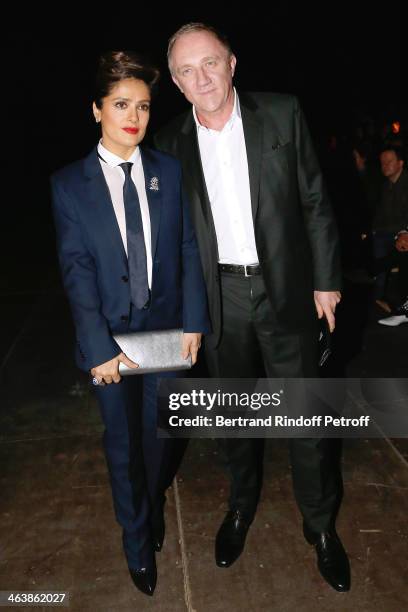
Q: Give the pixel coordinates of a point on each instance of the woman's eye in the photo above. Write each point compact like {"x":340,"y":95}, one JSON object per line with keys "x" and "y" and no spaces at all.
{"x":120,"y":105}
{"x":145,"y":107}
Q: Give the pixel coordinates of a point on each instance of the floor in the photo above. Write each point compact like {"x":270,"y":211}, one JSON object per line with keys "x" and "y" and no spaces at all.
{"x":58,"y":531}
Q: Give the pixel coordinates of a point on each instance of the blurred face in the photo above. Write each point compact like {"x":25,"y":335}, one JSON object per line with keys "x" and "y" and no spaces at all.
{"x":359,"y":160}
{"x":124,"y":116}
{"x":391,"y":166}
{"x":203,"y":69}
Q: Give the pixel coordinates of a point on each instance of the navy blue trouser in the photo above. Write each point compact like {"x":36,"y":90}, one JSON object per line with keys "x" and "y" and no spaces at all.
{"x":137,"y":460}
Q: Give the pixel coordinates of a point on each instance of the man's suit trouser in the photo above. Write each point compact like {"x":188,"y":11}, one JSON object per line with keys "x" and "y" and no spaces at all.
{"x":136,"y":458}
{"x":383,"y":245}
{"x":250,"y":339}
{"x":395,"y":258}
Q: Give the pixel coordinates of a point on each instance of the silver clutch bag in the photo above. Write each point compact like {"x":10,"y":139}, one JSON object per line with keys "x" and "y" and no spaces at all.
{"x":154,"y":351}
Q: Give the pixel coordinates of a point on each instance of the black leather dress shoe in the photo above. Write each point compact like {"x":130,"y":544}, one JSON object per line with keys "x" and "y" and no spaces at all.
{"x":230,"y":539}
{"x":144,"y":579}
{"x":332,"y":559}
{"x":158,"y":529}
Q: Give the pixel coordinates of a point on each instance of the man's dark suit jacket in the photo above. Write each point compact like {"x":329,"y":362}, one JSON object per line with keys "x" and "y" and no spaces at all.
{"x":94,"y":263}
{"x":295,"y":231}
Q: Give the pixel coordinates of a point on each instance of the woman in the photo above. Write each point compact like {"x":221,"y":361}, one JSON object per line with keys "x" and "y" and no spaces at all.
{"x":129,"y":262}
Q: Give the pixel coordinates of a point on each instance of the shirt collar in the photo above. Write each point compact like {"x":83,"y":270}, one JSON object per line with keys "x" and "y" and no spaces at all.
{"x":236,"y":114}
{"x":114,"y":160}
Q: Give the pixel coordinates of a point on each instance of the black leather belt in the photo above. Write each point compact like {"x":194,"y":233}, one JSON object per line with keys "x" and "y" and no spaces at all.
{"x":243,"y":270}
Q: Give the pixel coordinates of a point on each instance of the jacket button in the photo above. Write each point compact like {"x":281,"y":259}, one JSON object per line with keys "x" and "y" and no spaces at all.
{"x":124,"y":318}
{"x":125,"y":279}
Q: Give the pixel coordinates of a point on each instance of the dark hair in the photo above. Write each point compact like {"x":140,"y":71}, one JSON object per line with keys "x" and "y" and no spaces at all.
{"x":197,"y":26}
{"x":397,"y":149}
{"x":114,"y":66}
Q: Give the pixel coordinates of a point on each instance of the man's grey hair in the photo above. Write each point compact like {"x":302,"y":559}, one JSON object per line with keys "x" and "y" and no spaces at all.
{"x":196,"y":26}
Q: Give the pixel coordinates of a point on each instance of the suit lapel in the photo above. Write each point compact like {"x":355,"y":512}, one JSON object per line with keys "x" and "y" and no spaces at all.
{"x":193,"y":174}
{"x":151,"y":170}
{"x":253,"y":141}
{"x":102,"y":208}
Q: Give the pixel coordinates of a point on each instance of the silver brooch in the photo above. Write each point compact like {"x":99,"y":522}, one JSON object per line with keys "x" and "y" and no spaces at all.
{"x":154,"y":184}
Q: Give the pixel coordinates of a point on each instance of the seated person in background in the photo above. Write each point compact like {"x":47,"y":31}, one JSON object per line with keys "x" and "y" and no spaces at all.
{"x":391,"y":214}
{"x":399,"y":257}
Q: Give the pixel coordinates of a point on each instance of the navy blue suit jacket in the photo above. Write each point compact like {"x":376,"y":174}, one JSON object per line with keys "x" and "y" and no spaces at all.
{"x":94,"y":263}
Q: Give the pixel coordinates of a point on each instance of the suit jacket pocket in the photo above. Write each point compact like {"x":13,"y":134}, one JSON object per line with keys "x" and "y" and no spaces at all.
{"x":276,"y":150}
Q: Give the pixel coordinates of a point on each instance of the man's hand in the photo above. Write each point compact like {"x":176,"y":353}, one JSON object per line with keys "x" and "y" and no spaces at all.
{"x":325,"y":302}
{"x":191,"y":344}
{"x":108,"y":372}
{"x":402,"y":242}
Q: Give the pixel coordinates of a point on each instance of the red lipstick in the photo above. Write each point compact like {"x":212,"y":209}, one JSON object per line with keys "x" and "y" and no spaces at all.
{"x":130,"y":130}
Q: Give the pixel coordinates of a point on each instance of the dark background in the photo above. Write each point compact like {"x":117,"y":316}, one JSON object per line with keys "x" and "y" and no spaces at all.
{"x":346,"y":63}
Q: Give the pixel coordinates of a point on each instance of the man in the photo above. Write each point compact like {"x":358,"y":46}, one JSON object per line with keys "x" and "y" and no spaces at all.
{"x":391,"y":214}
{"x":268,"y":245}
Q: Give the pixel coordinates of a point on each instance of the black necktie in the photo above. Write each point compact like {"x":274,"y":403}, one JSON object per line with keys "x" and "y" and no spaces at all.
{"x":136,"y":249}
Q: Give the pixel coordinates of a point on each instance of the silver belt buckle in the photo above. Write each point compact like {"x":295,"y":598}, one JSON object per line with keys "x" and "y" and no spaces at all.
{"x":245,"y":271}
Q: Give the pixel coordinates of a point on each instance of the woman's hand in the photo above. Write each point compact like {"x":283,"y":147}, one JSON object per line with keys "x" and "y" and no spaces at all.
{"x":108,"y":372}
{"x":191,"y":344}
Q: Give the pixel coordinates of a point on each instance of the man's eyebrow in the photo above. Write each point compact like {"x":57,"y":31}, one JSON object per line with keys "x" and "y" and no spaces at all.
{"x":204,"y":59}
